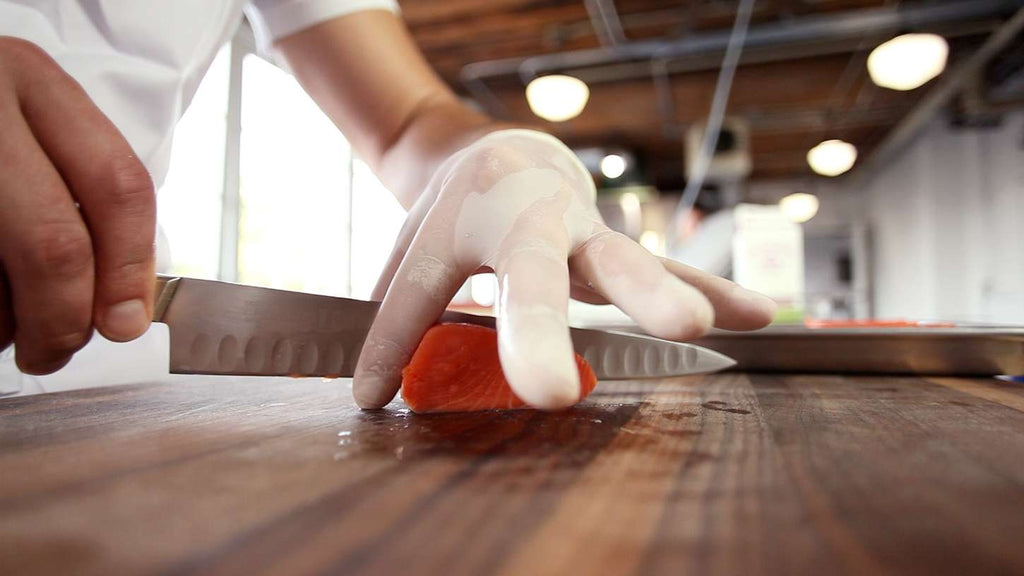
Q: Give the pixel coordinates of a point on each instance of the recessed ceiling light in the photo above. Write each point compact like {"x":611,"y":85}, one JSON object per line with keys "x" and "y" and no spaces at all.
{"x":799,"y":207}
{"x":832,"y":157}
{"x":557,"y":97}
{"x":613,"y":166}
{"x":908,"y":61}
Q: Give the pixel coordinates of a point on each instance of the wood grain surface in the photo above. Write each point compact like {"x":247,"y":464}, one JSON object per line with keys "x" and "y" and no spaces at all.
{"x":728,"y":474}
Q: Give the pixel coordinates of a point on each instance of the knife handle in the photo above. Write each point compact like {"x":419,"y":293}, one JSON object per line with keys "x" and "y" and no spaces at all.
{"x":163,"y":294}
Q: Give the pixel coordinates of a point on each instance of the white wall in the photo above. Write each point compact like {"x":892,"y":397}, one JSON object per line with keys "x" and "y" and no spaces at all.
{"x":838,"y":210}
{"x":839,"y":223}
{"x":947,"y":225}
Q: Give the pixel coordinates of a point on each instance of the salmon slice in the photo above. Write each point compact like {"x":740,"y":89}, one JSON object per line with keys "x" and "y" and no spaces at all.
{"x":456,"y":369}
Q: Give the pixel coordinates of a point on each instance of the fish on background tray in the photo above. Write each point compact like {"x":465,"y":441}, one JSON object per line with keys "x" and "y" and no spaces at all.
{"x":456,"y":369}
{"x":223,"y":328}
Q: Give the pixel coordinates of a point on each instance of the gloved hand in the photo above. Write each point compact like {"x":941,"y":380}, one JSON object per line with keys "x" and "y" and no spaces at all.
{"x":520,"y":203}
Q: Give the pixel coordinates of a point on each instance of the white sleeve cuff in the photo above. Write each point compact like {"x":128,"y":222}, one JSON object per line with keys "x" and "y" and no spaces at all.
{"x":273,"y":19}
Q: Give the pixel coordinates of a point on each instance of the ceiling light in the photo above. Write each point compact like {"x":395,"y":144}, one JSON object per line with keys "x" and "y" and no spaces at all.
{"x":799,"y":207}
{"x":557,"y":97}
{"x":908,"y":61}
{"x":832,"y":157}
{"x":613,"y":166}
{"x":632,"y":213}
{"x":653,"y":242}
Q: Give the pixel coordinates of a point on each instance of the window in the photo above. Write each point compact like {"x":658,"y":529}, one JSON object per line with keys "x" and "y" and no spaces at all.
{"x":374,"y":231}
{"x":189,"y":202}
{"x":293,"y":187}
{"x":287,"y":209}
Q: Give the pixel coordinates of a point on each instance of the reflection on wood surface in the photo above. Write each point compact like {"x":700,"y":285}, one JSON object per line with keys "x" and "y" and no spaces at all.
{"x":727,"y":474}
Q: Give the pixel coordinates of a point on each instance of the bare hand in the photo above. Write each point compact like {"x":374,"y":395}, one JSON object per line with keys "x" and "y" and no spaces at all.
{"x":77,"y":217}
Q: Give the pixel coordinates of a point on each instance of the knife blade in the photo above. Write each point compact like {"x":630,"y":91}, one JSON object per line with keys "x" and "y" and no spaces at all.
{"x":224,"y":328}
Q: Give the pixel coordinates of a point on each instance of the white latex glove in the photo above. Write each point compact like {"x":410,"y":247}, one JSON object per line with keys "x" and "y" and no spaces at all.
{"x":520,"y":203}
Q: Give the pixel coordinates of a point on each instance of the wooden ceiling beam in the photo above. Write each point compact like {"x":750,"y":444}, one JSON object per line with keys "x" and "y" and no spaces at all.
{"x":790,"y":100}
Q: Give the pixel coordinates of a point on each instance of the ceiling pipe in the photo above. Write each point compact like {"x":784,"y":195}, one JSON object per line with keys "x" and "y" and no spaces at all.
{"x":642,"y":69}
{"x":805,"y":29}
{"x":604,"y":18}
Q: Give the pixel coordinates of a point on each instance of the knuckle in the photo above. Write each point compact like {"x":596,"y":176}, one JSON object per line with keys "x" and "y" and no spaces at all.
{"x":64,"y":343}
{"x":699,"y":320}
{"x":49,"y":354}
{"x":129,"y":277}
{"x":20,"y":58}
{"x":131,"y":187}
{"x":56,"y":330}
{"x":38,"y":366}
{"x":503,"y":159}
{"x":60,"y":250}
{"x":681,"y":320}
{"x":490,"y":163}
{"x":134,"y":265}
{"x":19,"y":48}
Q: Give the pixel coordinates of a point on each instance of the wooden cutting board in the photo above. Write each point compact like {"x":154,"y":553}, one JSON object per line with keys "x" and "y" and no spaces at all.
{"x":727,"y":474}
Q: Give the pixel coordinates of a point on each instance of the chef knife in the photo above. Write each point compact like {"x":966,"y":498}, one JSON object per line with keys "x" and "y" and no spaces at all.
{"x":224,"y":328}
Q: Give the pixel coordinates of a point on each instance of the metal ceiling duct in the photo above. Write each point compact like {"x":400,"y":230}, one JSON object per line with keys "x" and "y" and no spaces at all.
{"x":804,"y":30}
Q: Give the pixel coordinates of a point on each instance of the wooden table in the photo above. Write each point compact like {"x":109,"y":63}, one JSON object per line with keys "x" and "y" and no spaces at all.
{"x":730,"y":474}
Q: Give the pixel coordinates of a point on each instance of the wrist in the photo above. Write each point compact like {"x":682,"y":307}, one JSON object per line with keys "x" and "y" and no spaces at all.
{"x":434,"y":132}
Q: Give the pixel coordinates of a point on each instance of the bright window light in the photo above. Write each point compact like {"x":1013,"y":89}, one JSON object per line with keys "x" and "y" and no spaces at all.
{"x":294,"y":190}
{"x":189,"y":202}
{"x":653,"y":242}
{"x":483,"y":288}
{"x":632,"y":213}
{"x":557,"y":97}
{"x":908,"y":61}
{"x":613,"y":166}
{"x":293,"y":187}
{"x":799,"y":207}
{"x":832,"y":157}
{"x":375,"y":228}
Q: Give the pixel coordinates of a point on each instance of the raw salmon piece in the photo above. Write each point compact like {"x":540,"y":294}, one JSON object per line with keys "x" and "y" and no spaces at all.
{"x":456,"y":369}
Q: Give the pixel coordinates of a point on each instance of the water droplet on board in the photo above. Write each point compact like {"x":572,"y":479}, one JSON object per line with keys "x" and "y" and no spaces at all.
{"x":596,"y":420}
{"x":399,"y":452}
{"x":345,"y":433}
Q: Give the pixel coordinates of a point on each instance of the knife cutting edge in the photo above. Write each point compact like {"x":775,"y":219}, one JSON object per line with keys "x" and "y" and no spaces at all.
{"x":223,"y":328}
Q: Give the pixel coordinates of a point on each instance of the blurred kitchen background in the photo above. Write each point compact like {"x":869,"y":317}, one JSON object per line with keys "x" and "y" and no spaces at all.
{"x":869,"y":161}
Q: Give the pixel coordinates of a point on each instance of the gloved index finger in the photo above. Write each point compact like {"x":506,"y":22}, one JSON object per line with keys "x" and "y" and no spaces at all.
{"x":424,"y":284}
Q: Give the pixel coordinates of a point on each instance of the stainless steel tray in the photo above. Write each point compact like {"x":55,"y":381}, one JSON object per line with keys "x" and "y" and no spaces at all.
{"x":965,"y":351}
{"x":933,"y":351}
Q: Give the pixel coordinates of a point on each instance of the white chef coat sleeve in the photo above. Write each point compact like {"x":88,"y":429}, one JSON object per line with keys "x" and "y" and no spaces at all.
{"x":273,"y":19}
